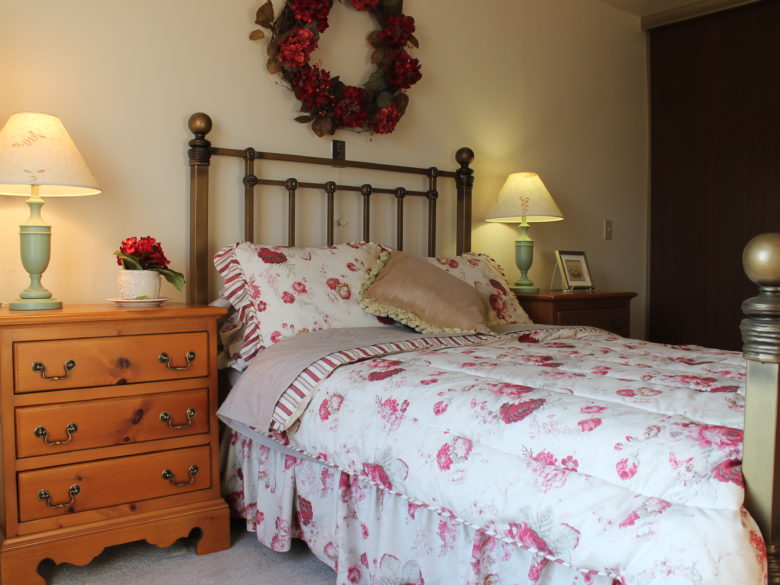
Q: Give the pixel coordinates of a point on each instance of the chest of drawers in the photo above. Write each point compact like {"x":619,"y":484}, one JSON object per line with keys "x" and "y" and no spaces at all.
{"x":109,"y":433}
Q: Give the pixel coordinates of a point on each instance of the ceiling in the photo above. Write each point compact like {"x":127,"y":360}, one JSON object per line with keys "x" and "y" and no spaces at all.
{"x":646,"y":7}
{"x":660,"y":12}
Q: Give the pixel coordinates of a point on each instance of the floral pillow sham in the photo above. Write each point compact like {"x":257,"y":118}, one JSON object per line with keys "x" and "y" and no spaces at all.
{"x":486,"y":275}
{"x":281,"y":291}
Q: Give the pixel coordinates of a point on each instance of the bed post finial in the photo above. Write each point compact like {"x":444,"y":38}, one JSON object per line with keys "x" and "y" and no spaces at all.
{"x":200,"y":123}
{"x":464,"y":156}
{"x":200,"y":158}
{"x":200,"y":148}
{"x":761,"y":347}
{"x":761,"y":327}
{"x":464,"y":181}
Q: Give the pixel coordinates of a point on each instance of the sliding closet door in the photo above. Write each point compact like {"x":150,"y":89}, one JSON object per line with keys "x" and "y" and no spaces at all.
{"x":715,"y":167}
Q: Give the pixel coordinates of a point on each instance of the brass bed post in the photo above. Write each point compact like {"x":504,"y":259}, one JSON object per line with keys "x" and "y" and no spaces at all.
{"x":432,"y":194}
{"x":200,"y":158}
{"x":464,"y":179}
{"x":291,"y":185}
{"x":330,"y":190}
{"x":400,"y":193}
{"x":250,"y":181}
{"x":366,"y":191}
{"x":761,"y":347}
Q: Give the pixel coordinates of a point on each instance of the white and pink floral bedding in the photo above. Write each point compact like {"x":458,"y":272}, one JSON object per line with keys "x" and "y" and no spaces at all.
{"x":568,"y":449}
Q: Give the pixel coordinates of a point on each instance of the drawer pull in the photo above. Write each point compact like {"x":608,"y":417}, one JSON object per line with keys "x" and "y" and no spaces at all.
{"x":166,"y":418}
{"x":42,"y":433}
{"x":168,"y":474}
{"x":73,"y":491}
{"x":39,"y":368}
{"x":166,"y":359}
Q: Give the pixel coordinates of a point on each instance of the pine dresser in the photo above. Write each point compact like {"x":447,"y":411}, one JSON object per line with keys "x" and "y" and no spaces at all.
{"x":109,"y":433}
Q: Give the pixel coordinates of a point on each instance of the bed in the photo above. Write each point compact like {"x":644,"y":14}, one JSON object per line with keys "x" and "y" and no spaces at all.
{"x":404,"y":417}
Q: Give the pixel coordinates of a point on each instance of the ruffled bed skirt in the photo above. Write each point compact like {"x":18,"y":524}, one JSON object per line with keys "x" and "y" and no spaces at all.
{"x":368,"y":535}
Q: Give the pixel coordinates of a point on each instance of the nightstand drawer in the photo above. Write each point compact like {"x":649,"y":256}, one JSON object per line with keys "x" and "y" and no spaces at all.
{"x":76,"y":488}
{"x":104,"y":361}
{"x":58,"y":428}
{"x":615,"y":320}
{"x":606,"y":310}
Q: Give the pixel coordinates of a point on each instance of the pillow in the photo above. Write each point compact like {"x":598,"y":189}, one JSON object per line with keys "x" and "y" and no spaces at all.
{"x":487,"y":276}
{"x":423,"y":296}
{"x":280,"y":291}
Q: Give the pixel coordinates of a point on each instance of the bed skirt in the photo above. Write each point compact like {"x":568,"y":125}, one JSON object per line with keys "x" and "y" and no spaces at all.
{"x":367,"y":535}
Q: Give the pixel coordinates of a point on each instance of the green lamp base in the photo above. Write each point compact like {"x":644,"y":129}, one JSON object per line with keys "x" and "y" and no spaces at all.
{"x":35,"y":244}
{"x":34,"y":304}
{"x":524,"y":257}
{"x":525,"y":289}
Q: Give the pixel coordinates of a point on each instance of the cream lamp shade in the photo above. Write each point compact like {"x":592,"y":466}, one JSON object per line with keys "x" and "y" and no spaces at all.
{"x":35,"y":149}
{"x":524,"y":196}
{"x":523,"y":199}
{"x":38,"y":157}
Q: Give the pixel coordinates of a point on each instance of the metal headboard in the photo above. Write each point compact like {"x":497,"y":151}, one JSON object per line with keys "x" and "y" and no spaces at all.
{"x":201,"y":151}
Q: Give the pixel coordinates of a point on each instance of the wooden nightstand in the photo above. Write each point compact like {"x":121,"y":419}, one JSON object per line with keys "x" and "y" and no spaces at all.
{"x":109,"y":433}
{"x":607,"y":310}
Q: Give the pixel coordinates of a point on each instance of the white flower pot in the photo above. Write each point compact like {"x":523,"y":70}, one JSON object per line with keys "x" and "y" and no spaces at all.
{"x":138,"y":284}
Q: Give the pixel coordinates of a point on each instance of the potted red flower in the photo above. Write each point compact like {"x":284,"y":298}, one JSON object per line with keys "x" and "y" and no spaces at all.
{"x":143,"y":262}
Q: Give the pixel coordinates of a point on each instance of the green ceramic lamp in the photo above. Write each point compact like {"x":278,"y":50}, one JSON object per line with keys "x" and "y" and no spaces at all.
{"x":524,"y":199}
{"x":38,"y":158}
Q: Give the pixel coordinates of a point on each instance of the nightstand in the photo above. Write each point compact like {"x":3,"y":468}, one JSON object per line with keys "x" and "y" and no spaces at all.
{"x":109,"y":433}
{"x":607,"y":310}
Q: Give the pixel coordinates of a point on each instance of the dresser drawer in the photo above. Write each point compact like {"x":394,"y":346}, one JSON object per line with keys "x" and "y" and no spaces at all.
{"x":103,"y":361}
{"x":87,"y":486}
{"x":58,"y":428}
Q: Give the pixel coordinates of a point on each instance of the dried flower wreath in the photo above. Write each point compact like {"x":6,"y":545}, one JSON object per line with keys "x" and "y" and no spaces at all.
{"x":326,"y":102}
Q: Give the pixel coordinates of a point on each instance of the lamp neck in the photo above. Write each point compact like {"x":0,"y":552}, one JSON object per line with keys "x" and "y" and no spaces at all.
{"x":524,"y":237}
{"x":35,"y":202}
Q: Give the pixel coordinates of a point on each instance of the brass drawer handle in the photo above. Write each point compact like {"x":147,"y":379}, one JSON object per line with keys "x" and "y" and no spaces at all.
{"x":42,"y":433}
{"x":39,"y":368}
{"x":166,"y":418}
{"x":73,"y":491}
{"x":166,"y":359}
{"x":168,"y":474}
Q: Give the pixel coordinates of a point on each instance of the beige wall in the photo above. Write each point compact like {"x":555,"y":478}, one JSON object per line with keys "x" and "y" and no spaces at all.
{"x":554,"y":86}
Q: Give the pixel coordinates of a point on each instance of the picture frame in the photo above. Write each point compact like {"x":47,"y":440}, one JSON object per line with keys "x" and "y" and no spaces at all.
{"x":575,"y":272}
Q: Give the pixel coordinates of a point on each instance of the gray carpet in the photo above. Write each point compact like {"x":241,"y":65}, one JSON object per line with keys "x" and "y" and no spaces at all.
{"x":246,"y":562}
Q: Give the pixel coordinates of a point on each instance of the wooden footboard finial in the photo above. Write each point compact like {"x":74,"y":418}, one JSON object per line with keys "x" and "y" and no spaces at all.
{"x":761,"y":347}
{"x":200,"y":158}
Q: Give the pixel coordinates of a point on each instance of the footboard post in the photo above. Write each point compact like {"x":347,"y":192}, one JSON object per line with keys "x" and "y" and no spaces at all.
{"x":761,"y":347}
{"x":200,"y":159}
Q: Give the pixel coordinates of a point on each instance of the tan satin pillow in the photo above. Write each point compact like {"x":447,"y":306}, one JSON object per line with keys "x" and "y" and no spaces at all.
{"x":423,"y":296}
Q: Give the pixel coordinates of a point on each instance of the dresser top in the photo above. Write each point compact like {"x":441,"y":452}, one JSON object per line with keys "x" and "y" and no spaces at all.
{"x":106,"y":312}
{"x":561,"y":295}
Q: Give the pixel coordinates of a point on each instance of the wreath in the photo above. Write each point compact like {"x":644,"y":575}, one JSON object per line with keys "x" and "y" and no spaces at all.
{"x":326,"y":102}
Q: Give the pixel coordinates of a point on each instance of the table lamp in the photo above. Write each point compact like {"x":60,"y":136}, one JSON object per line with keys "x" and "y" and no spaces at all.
{"x":523,"y":199}
{"x":38,"y":157}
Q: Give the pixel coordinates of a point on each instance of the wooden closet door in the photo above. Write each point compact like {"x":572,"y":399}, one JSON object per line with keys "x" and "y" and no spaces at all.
{"x":715,"y":167}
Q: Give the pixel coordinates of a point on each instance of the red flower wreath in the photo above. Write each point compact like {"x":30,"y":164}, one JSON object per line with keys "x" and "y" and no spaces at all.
{"x":328,"y":103}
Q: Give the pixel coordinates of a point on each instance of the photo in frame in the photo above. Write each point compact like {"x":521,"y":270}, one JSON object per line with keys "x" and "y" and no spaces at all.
{"x":575,"y":273}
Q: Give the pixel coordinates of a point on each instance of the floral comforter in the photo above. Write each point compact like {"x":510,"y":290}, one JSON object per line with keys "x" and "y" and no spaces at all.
{"x":611,"y":456}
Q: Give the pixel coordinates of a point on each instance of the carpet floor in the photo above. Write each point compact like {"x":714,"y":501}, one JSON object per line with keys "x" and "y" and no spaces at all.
{"x":246,"y":562}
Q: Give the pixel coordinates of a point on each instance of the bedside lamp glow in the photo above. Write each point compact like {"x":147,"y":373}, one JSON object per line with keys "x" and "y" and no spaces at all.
{"x":38,"y":157}
{"x":523,"y":199}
